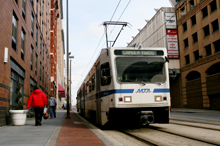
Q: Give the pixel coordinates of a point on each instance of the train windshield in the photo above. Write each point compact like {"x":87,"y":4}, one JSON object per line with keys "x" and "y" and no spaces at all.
{"x":140,"y":69}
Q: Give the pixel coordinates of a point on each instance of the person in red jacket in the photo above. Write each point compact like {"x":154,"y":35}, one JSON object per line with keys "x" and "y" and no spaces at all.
{"x":38,"y":100}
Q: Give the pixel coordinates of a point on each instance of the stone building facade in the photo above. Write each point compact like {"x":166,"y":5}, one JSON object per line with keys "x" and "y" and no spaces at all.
{"x":199,"y":43}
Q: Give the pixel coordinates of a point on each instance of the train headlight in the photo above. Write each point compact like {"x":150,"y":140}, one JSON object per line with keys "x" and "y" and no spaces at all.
{"x":158,"y":98}
{"x":127,"y":99}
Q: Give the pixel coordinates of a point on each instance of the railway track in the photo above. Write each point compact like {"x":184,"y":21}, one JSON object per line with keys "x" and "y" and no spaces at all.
{"x":144,"y":140}
{"x":145,"y":135}
{"x":197,"y":125}
{"x":195,"y":120}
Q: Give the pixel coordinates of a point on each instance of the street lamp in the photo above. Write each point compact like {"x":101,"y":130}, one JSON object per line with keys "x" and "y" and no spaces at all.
{"x":70,"y":77}
{"x":67,"y":60}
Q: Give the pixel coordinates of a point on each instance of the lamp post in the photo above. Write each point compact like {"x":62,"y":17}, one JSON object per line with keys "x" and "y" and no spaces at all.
{"x":67,"y":60}
{"x":70,"y":78}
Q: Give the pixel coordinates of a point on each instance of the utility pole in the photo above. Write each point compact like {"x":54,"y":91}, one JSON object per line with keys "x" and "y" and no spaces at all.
{"x":70,"y":80}
{"x":67,"y":60}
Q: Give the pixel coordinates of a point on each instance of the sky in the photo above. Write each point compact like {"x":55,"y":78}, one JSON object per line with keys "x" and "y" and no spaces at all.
{"x":87,"y":34}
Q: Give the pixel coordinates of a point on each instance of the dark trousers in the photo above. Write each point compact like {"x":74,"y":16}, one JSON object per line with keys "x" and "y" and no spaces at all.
{"x":38,"y":115}
{"x":52,"y":111}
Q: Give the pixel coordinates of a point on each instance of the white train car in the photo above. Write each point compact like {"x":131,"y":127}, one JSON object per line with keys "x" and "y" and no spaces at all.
{"x":127,"y":85}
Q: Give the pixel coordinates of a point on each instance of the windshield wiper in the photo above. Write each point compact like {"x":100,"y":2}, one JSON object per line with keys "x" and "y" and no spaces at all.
{"x":159,"y":83}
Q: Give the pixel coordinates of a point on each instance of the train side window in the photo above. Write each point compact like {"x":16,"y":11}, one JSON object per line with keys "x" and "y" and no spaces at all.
{"x":93,"y":82}
{"x":105,"y":74}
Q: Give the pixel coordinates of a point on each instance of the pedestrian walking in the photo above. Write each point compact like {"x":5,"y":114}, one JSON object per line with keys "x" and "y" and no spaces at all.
{"x":38,"y":100}
{"x":53,"y":104}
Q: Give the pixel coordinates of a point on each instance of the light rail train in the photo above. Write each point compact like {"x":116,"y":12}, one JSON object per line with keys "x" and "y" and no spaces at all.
{"x":126,"y":85}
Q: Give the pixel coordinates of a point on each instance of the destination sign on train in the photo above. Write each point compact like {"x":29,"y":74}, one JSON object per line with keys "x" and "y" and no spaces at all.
{"x":138,"y":52}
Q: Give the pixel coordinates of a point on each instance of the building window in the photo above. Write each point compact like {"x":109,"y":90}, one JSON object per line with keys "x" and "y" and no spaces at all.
{"x":32,"y":84}
{"x":196,"y":55}
{"x":16,"y":1}
{"x":213,"y":6}
{"x":32,"y":25}
{"x":14,"y":31}
{"x":193,"y":20}
{"x":40,"y":44}
{"x":43,"y":52}
{"x":183,"y":11}
{"x":42,"y":18}
{"x":23,"y":8}
{"x":205,"y":12}
{"x":36,"y":34}
{"x":206,"y":31}
{"x":36,"y":8}
{"x":32,"y":49}
{"x":215,"y":26}
{"x":184,"y":27}
{"x":36,"y":64}
{"x":187,"y":59}
{"x":22,"y":43}
{"x":195,"y":38}
{"x":217,"y":46}
{"x":15,"y":77}
{"x":186,"y":44}
{"x":208,"y":50}
{"x":40,"y":70}
{"x":32,"y":3}
{"x":43,"y":75}
{"x":192,"y":4}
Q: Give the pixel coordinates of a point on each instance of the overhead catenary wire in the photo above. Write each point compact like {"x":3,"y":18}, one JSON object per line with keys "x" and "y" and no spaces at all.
{"x":101,"y":37}
{"x":119,"y":18}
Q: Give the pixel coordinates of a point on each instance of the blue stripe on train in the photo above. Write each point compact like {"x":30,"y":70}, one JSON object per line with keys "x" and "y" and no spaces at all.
{"x":161,"y":91}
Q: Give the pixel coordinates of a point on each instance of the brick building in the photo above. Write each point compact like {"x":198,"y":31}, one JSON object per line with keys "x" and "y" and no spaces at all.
{"x":60,"y":58}
{"x":25,"y":44}
{"x":57,"y":52}
{"x":199,"y":43}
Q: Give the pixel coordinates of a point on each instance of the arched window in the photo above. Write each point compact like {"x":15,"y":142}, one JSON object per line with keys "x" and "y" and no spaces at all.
{"x":193,"y":75}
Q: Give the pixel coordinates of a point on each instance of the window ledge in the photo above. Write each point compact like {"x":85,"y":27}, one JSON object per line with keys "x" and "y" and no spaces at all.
{"x":204,"y":17}
{"x":206,"y":36}
{"x":213,"y":11}
{"x":215,"y":31}
{"x":193,"y":25}
{"x":195,"y":42}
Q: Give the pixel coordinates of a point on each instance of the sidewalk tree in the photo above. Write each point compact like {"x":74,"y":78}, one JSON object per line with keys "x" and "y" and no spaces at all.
{"x":19,"y":115}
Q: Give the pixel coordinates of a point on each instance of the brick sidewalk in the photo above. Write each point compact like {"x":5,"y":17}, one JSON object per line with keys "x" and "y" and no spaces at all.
{"x":75,"y":132}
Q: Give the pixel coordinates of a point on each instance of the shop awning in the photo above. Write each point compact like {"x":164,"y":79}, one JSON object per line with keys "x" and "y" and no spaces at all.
{"x":61,"y":90}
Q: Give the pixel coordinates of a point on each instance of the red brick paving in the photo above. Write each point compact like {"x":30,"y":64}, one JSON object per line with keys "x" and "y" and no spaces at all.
{"x":77,"y":134}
